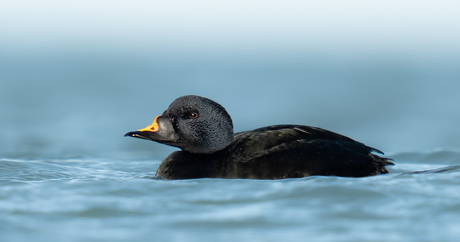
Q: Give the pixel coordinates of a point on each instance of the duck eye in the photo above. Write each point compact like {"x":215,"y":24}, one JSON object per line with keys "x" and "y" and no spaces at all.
{"x":193,"y":115}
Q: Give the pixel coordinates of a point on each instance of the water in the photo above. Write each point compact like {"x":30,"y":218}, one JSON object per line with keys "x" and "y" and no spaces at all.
{"x":113,"y":200}
{"x":75,"y":77}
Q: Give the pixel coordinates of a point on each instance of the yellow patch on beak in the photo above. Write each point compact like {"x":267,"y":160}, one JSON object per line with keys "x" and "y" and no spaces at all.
{"x":153,"y":127}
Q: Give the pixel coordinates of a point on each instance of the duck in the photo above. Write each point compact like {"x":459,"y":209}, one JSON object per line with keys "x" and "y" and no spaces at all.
{"x":203,"y":130}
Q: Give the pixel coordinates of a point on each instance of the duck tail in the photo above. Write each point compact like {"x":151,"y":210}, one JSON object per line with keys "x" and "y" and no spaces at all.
{"x":380,"y":163}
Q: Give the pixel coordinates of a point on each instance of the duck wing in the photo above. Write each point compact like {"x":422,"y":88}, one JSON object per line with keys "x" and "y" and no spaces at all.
{"x":283,"y":151}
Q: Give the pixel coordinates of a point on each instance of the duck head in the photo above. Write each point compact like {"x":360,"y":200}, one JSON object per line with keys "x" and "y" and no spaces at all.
{"x":193,"y":123}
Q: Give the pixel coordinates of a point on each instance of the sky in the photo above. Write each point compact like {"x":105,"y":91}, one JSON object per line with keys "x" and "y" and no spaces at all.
{"x":245,"y":26}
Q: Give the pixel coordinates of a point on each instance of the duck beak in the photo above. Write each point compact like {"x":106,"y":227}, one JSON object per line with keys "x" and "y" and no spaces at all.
{"x":160,"y":130}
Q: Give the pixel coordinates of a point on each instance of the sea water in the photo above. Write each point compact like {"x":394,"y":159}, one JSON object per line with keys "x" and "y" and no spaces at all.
{"x":75,"y":77}
{"x":119,"y":200}
{"x":68,"y":174}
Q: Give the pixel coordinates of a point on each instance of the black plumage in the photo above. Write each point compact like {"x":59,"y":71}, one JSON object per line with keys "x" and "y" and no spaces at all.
{"x":204,"y":131}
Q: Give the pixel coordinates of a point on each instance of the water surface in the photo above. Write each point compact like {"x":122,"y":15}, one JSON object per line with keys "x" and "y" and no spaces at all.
{"x":119,"y":200}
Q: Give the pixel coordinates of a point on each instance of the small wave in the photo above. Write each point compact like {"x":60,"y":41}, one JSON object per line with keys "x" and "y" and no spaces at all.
{"x":17,"y":170}
{"x":448,"y":169}
{"x":21,"y":170}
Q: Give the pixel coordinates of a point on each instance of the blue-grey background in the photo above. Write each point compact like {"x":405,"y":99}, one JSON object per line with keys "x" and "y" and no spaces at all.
{"x":76,"y":75}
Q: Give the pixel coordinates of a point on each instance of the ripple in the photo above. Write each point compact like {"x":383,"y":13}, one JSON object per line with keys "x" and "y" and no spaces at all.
{"x":124,"y":199}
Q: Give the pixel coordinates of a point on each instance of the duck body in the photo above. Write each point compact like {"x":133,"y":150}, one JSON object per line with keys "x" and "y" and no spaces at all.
{"x":273,"y":152}
{"x":277,"y":152}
